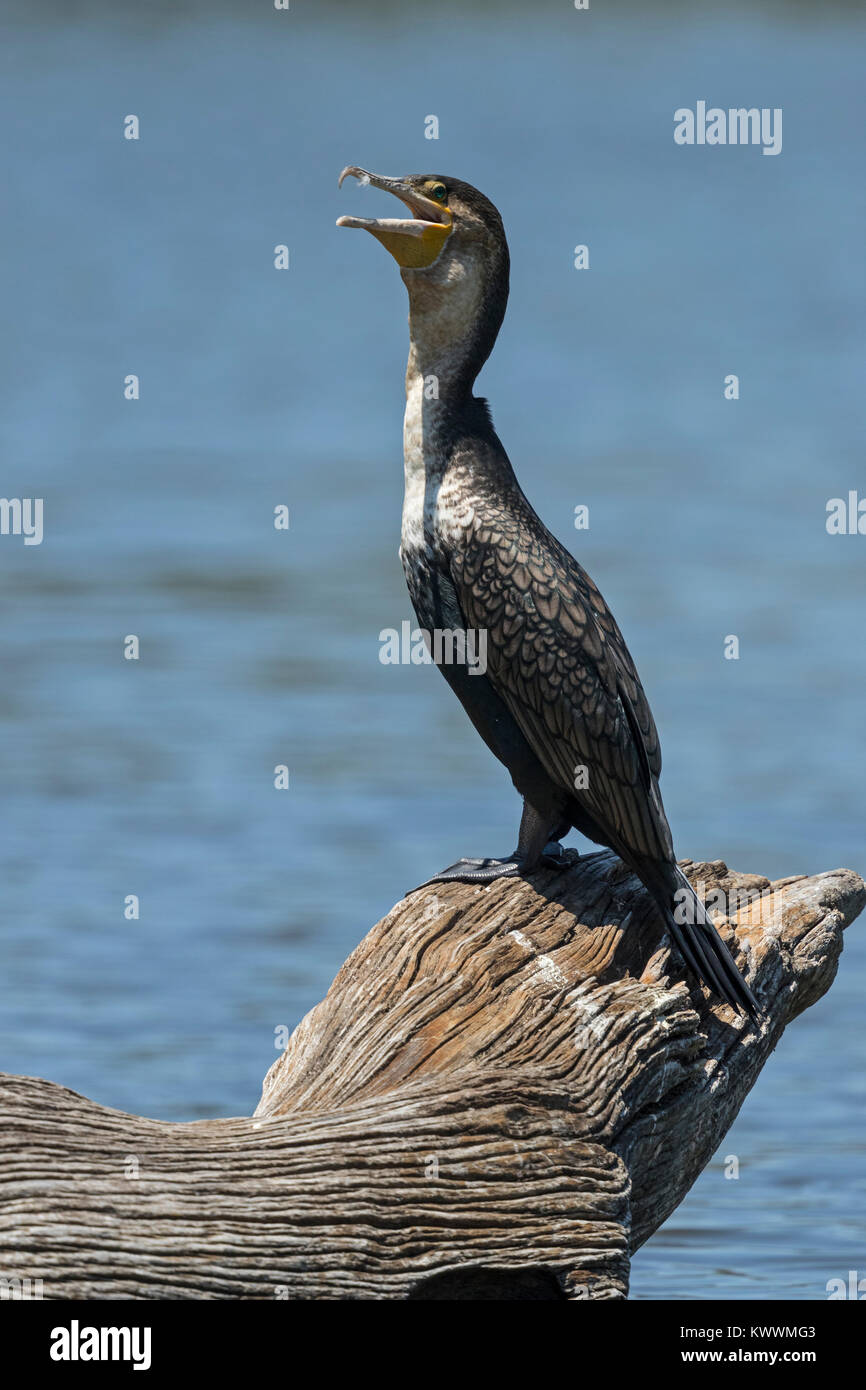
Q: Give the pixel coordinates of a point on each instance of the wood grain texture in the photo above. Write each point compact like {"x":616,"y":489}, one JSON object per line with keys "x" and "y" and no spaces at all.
{"x":502,"y":1095}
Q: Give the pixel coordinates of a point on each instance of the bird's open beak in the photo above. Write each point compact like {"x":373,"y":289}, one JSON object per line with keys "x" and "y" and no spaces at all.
{"x":414,"y":241}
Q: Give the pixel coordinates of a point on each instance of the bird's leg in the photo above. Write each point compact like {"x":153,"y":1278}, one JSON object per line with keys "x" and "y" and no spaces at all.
{"x":534,"y":849}
{"x":538,"y":841}
{"x":554,"y":855}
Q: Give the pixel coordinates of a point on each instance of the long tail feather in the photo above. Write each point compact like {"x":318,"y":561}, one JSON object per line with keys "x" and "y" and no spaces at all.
{"x":699,"y":943}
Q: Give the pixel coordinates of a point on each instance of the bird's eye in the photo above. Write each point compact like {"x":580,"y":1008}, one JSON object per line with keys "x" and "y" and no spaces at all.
{"x":439,"y":192}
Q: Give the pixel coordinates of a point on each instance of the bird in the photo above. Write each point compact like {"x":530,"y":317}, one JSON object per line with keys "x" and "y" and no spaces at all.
{"x":559,"y":701}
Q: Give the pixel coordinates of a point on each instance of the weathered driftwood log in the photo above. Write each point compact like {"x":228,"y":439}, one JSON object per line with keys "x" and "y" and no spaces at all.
{"x":505,"y":1092}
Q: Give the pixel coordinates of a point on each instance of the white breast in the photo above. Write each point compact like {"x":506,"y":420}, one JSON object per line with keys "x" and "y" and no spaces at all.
{"x":415,"y":467}
{"x":437,"y":508}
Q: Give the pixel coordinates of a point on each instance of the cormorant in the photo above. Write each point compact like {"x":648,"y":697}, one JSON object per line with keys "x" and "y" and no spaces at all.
{"x":560,"y":702}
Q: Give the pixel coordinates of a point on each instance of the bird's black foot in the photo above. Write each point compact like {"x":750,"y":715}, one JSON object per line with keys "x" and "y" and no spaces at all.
{"x":489,"y":870}
{"x":477,"y":871}
{"x":555,"y":857}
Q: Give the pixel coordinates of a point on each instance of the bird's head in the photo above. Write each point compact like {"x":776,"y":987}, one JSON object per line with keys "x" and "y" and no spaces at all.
{"x":453,"y":257}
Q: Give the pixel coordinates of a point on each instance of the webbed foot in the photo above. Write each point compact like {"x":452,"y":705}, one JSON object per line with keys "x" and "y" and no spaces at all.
{"x":489,"y":870}
{"x":477,"y":871}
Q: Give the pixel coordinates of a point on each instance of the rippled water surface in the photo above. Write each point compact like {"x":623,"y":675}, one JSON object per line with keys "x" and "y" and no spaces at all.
{"x":259,"y":647}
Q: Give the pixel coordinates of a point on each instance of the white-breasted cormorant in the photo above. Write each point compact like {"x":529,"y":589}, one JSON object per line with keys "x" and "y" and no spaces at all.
{"x":560,"y":703}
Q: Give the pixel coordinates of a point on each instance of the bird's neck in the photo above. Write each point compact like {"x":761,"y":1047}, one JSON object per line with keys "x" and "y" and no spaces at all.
{"x":428,"y":421}
{"x":446,"y":450}
{"x":453,"y":325}
{"x":443,"y":364}
{"x":443,"y":348}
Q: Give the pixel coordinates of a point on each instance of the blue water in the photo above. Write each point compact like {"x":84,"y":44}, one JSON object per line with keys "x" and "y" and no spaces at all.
{"x":260,"y":647}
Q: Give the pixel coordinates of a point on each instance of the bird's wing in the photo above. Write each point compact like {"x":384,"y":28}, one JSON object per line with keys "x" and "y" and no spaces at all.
{"x":557,"y":658}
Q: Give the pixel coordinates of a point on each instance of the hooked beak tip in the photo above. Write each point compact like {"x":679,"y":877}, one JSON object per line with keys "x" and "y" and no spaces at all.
{"x":360,"y":174}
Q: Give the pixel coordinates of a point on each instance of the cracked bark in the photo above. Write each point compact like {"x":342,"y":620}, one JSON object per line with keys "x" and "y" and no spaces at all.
{"x":504,"y":1093}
